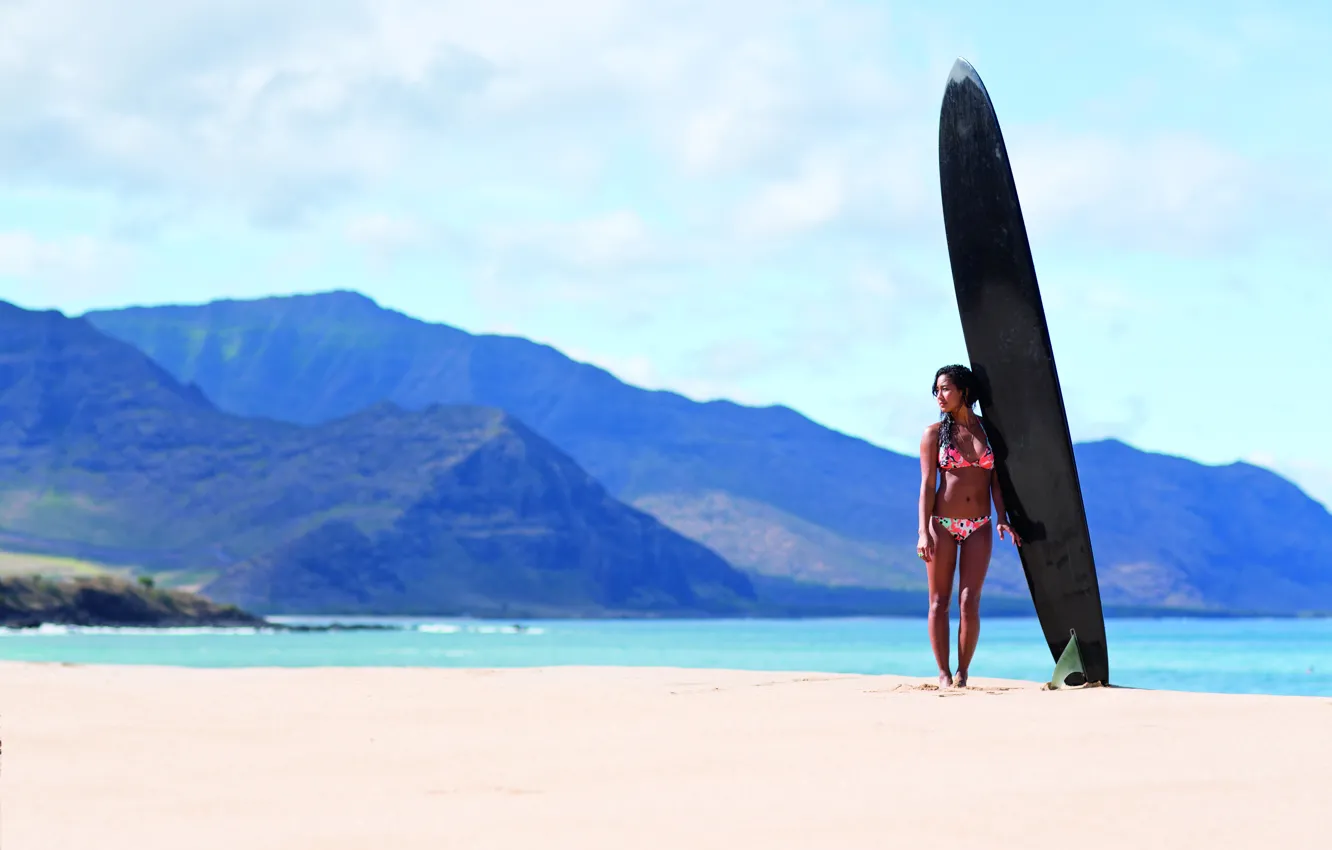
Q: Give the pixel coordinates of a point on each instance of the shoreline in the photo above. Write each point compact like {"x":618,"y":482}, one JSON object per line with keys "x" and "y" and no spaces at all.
{"x":924,"y":684}
{"x":642,"y":757}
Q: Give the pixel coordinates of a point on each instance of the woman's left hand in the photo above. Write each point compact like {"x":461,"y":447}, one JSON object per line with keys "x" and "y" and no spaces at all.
{"x":1005,"y":527}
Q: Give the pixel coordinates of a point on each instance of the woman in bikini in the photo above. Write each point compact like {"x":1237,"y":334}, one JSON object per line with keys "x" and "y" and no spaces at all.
{"x":957,"y":483}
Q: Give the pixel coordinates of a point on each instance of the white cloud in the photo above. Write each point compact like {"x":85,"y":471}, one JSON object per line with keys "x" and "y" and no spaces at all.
{"x":53,"y":271}
{"x":1228,"y":43}
{"x":323,"y":101}
{"x":813,"y":197}
{"x":212,"y":104}
{"x":798,"y":117}
{"x":595,"y":260}
{"x":614,"y":240}
{"x":769,"y":121}
{"x":1172,"y":194}
{"x":381,"y":232}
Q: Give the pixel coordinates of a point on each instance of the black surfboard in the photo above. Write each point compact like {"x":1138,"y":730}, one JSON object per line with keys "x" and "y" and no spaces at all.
{"x":1008,"y":344}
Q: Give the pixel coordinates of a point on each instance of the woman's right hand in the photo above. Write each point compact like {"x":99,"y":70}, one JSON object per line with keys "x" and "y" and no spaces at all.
{"x":925,"y":546}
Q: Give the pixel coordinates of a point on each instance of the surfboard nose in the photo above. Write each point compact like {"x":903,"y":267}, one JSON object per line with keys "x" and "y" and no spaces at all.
{"x":963,"y":72}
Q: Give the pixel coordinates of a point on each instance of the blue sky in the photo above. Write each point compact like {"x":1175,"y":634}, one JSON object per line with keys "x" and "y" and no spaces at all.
{"x":731,"y":200}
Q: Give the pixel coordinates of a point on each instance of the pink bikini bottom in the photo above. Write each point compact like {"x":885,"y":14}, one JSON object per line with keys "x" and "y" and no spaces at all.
{"x":961,"y":529}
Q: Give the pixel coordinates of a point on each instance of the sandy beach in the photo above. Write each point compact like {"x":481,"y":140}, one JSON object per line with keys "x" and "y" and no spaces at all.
{"x":639,"y":759}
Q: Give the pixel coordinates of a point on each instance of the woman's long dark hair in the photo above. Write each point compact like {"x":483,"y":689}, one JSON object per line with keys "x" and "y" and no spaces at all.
{"x":965,"y":380}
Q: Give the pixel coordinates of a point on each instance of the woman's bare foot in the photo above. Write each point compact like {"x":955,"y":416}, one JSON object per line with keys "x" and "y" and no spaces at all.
{"x":945,"y":679}
{"x":961,"y":678}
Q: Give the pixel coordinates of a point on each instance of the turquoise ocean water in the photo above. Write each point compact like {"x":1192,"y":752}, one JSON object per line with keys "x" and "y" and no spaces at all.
{"x":1226,"y":656}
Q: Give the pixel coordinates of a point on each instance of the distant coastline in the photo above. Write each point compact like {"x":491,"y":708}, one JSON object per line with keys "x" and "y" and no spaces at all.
{"x":28,"y":602}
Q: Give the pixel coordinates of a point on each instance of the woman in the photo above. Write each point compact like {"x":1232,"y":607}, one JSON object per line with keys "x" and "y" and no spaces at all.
{"x":955,"y":531}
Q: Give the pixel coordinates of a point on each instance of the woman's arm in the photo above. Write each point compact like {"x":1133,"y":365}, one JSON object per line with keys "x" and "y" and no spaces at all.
{"x":1001,"y":513}
{"x":929,"y":465}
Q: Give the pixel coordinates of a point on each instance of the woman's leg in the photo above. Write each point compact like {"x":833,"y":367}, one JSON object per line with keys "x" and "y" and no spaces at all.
{"x":973,"y":563}
{"x":940,"y":572}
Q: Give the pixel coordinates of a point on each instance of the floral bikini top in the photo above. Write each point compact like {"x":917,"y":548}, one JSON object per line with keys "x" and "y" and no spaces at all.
{"x":951,"y":458}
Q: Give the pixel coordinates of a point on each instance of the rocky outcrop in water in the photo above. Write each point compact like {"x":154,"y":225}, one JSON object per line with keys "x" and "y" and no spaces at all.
{"x":27,"y":602}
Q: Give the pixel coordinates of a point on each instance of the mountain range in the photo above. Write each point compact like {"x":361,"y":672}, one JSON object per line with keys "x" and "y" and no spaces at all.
{"x":445,"y":509}
{"x":784,"y":500}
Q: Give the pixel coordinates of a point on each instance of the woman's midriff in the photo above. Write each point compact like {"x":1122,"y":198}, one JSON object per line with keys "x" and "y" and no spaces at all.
{"x":963,"y":493}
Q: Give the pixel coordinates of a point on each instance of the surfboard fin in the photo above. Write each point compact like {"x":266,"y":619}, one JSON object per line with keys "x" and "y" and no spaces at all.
{"x":1069,"y":663}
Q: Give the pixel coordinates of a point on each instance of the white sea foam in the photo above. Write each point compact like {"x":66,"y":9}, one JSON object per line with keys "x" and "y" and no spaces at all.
{"x":454,"y":628}
{"x":507,"y":630}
